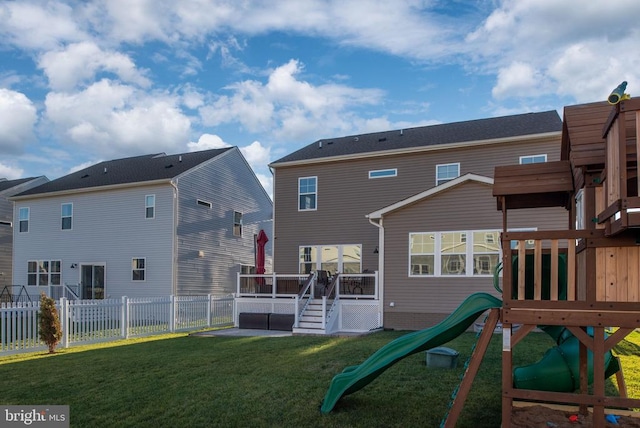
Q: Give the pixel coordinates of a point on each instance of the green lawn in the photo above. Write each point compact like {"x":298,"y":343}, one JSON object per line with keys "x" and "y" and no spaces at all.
{"x":188,"y":381}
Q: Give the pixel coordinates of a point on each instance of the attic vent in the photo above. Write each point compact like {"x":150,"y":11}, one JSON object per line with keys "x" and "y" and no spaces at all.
{"x":382,"y":139}
{"x":85,"y":176}
{"x":330,"y":142}
{"x":355,"y":138}
{"x":169,"y":166}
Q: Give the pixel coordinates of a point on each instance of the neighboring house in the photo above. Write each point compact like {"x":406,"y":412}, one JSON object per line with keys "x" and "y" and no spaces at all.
{"x":9,"y":188}
{"x":152,"y":225}
{"x":416,"y":205}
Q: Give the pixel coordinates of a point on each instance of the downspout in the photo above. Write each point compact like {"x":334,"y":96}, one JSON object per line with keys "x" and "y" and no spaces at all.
{"x":380,"y":226}
{"x":174,"y":246}
{"x":273,"y":221}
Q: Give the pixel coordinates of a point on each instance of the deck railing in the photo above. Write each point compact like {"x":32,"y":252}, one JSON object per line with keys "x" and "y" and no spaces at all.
{"x":347,"y":286}
{"x":269,"y":285}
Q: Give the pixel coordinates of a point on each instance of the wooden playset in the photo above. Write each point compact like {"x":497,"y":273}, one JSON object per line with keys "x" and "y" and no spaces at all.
{"x":596,"y":180}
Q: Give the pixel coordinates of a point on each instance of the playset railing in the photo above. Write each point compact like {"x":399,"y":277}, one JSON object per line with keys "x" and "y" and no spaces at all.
{"x":570,"y":269}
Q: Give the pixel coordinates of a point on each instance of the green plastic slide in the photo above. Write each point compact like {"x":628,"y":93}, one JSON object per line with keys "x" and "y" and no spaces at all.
{"x":559,"y":369}
{"x":354,"y":378}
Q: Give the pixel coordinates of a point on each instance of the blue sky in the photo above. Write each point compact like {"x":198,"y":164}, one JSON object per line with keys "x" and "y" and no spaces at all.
{"x":86,"y":81}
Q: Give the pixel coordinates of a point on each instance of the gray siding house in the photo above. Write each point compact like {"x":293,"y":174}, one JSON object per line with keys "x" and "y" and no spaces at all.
{"x":9,"y":188}
{"x":152,"y":225}
{"x":415,"y":205}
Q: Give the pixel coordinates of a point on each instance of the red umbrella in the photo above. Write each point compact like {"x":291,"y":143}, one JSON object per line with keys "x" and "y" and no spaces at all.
{"x":261,"y":241}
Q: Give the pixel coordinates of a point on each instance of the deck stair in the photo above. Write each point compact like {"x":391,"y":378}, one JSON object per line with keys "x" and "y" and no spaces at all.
{"x":311,"y":319}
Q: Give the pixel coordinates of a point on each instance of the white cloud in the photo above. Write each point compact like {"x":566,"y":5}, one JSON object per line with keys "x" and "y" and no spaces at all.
{"x":584,"y":72}
{"x":80,"y":62}
{"x":518,"y":79}
{"x":18,"y":117}
{"x":44,"y":25}
{"x":257,"y":155}
{"x":114,"y":119}
{"x":288,"y":107}
{"x":10,"y":172}
{"x":547,"y":47}
{"x":207,"y":142}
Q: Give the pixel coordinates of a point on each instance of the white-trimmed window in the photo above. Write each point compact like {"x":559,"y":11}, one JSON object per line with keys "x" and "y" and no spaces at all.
{"x":454,"y":253}
{"x":331,"y":258}
{"x":237,"y":223}
{"x":150,"y":206}
{"x":43,"y":272}
{"x":533,"y":159}
{"x":138,"y":268}
{"x":247,"y":270}
{"x":446,"y":172}
{"x":23,"y":218}
{"x":307,"y":193}
{"x":422,"y":247}
{"x":486,"y":252}
{"x":383,"y":173}
{"x":66,"y":213}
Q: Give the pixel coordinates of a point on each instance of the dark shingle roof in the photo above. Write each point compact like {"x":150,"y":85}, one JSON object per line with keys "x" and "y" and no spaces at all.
{"x":127,"y":170}
{"x":448,"y":133}
{"x":8,"y":184}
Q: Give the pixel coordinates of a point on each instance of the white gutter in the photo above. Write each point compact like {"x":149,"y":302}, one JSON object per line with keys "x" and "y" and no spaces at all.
{"x":91,"y":189}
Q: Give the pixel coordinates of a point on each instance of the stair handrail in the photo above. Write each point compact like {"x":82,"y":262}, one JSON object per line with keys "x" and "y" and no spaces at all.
{"x":8,"y":290}
{"x":305,"y":288}
{"x":308,"y":283}
{"x":70,"y":293}
{"x":332,"y":285}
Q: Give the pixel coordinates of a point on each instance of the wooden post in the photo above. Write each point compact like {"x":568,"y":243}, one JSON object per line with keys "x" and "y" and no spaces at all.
{"x":507,"y":375}
{"x":598,"y":376}
{"x":472,"y":370}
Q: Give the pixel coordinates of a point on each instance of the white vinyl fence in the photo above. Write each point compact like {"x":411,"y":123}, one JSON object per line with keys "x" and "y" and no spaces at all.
{"x":91,"y":321}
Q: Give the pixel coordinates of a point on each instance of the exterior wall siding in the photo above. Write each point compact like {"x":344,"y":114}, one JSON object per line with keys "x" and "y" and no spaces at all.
{"x":228,"y":183}
{"x":346,"y":194}
{"x":6,"y":231}
{"x":469,"y":206}
{"x":108,"y":227}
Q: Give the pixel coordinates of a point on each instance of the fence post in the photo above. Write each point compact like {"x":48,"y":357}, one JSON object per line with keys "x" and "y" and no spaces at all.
{"x":124,"y":318}
{"x":209,"y":307}
{"x":234,"y":311}
{"x":172,"y":311}
{"x":64,"y":320}
{"x":274,"y":283}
